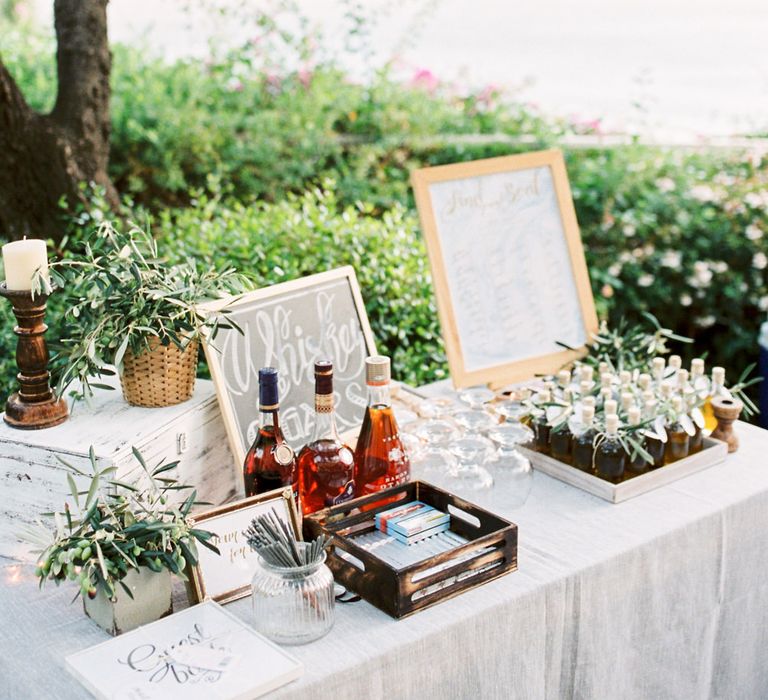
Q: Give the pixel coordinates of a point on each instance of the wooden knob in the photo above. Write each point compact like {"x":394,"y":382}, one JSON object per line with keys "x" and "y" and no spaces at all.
{"x":727,"y":408}
{"x":726,"y":411}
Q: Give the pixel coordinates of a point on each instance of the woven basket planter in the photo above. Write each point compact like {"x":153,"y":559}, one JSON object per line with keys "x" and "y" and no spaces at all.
{"x":161,"y":376}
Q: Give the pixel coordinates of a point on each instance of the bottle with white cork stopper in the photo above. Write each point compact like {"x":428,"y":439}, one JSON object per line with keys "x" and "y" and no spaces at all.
{"x":610,"y":457}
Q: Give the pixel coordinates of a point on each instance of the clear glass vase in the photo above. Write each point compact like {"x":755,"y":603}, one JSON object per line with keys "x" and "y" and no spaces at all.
{"x":293,"y":605}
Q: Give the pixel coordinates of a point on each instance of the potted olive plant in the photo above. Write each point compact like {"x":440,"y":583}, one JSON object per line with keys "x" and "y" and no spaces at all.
{"x":120,"y":542}
{"x":125,"y":306}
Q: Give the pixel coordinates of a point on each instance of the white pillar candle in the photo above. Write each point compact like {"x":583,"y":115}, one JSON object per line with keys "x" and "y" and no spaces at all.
{"x":21,"y":260}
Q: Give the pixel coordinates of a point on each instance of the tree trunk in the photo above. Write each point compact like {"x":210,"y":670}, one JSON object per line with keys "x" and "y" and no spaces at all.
{"x":45,"y":157}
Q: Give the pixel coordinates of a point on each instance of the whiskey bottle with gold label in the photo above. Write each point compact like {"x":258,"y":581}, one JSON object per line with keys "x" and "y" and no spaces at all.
{"x":270,"y":462}
{"x":326,"y":464}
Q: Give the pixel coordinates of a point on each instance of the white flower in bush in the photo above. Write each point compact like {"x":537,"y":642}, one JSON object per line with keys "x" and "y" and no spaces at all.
{"x":628,"y":230}
{"x":759,"y":261}
{"x":645,"y":280}
{"x":724,"y":179}
{"x":234,"y":84}
{"x":719,"y":266}
{"x":763,"y":303}
{"x":671,"y":258}
{"x":757,"y":200}
{"x":685,"y":300}
{"x":703,"y":193}
{"x":615,"y":270}
{"x":702,"y":274}
{"x":625,"y":256}
{"x":705,"y":321}
{"x":665,"y":184}
{"x":754,"y":232}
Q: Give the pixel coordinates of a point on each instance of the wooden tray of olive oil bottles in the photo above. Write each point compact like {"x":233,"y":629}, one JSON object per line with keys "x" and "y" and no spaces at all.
{"x":713,"y":452}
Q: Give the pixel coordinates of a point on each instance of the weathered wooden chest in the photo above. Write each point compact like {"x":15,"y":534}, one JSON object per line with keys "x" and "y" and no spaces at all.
{"x":33,"y":480}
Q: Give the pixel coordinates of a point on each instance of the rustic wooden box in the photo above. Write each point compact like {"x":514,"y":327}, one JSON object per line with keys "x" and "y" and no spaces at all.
{"x":33,"y":480}
{"x":491,"y":550}
{"x":714,"y":452}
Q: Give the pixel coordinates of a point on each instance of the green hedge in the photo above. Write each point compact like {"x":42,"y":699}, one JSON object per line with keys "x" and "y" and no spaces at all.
{"x":264,"y":129}
{"x":311,"y":233}
{"x":680,"y":234}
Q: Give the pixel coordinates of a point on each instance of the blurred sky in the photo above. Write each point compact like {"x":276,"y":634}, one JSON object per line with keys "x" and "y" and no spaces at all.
{"x":669,"y":68}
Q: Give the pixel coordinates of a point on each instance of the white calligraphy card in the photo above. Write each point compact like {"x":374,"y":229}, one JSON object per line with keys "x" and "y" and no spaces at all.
{"x":227,"y":576}
{"x":201,"y":653}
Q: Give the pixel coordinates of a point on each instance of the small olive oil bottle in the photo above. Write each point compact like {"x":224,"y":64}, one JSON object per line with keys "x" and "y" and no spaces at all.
{"x":679,"y":443}
{"x":583,"y":450}
{"x":637,"y":465}
{"x":610,"y":457}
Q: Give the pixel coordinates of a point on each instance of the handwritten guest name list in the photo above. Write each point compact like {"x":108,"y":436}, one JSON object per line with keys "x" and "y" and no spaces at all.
{"x":509,"y":272}
{"x":290,"y":332}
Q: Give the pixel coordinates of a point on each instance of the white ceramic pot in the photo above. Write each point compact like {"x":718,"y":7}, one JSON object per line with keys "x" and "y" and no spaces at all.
{"x":151,"y":601}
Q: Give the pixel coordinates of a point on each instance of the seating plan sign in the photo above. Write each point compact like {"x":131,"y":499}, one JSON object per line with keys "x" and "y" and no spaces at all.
{"x":289,"y":326}
{"x":508,"y":266}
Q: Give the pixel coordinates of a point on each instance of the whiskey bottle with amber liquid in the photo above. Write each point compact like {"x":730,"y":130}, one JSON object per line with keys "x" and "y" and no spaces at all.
{"x":380,"y":457}
{"x":326,"y":465}
{"x":270,"y":463}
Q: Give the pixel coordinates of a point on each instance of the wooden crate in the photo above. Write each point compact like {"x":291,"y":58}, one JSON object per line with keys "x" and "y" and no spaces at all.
{"x":33,"y":480}
{"x":714,"y":452}
{"x":490,"y":552}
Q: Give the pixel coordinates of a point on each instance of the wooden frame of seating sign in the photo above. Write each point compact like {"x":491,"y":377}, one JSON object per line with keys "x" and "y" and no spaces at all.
{"x":508,"y":265}
{"x":227,"y":576}
{"x":288,"y":326}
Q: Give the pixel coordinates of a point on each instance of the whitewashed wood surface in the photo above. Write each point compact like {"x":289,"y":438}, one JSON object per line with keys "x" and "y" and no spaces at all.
{"x":33,"y":480}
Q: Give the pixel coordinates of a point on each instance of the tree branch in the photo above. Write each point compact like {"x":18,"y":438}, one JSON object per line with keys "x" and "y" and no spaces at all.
{"x":14,"y":110}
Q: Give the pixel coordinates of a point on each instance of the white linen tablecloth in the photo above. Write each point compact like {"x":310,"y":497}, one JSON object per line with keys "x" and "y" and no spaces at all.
{"x":662,"y":596}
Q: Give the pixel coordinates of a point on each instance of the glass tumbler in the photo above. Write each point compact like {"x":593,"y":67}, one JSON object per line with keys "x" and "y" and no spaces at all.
{"x":293,"y":605}
{"x":511,"y":469}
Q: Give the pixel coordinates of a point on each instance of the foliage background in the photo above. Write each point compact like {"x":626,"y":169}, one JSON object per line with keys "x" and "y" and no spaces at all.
{"x":271,"y":159}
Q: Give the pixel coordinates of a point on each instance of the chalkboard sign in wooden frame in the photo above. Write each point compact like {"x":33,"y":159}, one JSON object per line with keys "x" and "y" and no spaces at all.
{"x":508,"y":265}
{"x":289,"y":326}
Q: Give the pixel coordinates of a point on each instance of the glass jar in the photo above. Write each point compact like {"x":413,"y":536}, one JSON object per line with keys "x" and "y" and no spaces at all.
{"x":293,"y":605}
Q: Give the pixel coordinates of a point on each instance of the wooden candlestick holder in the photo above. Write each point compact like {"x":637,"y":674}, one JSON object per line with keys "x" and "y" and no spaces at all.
{"x":35,"y":405}
{"x":726,"y":411}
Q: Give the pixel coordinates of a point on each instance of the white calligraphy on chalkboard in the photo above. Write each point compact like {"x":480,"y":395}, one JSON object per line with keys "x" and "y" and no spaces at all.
{"x":290,"y":327}
{"x":507,"y":265}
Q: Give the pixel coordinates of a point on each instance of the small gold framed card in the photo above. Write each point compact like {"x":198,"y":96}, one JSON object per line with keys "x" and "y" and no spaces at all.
{"x":227,"y":577}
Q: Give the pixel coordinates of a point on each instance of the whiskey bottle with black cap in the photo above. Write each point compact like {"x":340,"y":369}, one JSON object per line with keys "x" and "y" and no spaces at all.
{"x":270,"y":462}
{"x":326,"y":464}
